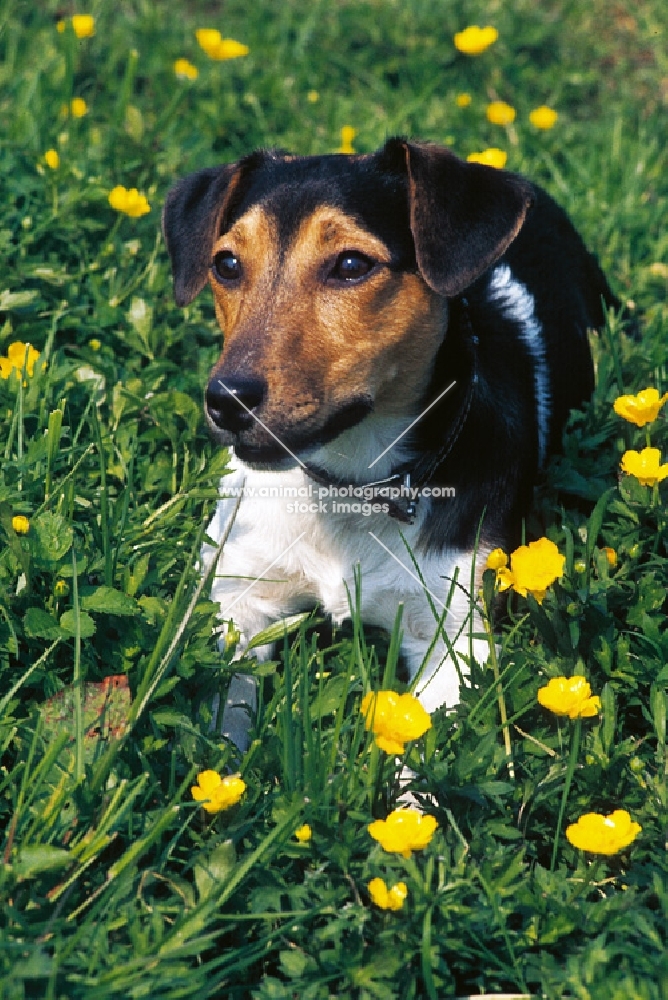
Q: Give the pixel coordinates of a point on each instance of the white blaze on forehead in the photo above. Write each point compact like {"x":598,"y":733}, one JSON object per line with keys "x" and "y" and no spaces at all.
{"x":518,"y":305}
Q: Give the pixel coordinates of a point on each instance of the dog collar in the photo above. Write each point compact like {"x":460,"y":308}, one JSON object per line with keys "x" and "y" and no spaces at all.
{"x":421,"y":472}
{"x":402,"y":512}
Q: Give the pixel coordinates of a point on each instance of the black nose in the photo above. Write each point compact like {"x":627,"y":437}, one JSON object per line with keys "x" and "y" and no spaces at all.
{"x":230,"y":401}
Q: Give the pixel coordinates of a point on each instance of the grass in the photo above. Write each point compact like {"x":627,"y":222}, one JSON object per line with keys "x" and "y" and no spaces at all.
{"x":113,"y":883}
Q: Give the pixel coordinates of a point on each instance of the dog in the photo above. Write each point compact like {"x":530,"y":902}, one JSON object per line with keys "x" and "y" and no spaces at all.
{"x":405,"y":334}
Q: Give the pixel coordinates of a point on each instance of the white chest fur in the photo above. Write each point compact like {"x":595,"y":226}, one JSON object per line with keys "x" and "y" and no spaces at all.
{"x":290,"y":547}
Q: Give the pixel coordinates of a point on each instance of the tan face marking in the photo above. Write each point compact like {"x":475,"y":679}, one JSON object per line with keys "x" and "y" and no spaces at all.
{"x":322,"y":343}
{"x":253,"y":240}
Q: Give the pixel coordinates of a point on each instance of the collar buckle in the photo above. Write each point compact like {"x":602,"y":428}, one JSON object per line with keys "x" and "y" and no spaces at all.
{"x":411,"y":506}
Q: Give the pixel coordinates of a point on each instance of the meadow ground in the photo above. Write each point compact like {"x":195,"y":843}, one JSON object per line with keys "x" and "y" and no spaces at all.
{"x":114,"y":882}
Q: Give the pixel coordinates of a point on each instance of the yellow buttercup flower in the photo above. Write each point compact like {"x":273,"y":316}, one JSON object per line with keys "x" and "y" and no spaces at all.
{"x":20,"y":524}
{"x":61,"y":588}
{"x":404,"y":831}
{"x":463,"y":100}
{"x":304,"y":833}
{"x":348,"y":133}
{"x":610,"y":555}
{"x":185,"y":70}
{"x":216,"y":793}
{"x":603,"y":834}
{"x":229,"y":49}
{"x":642,"y":408}
{"x":395,"y":719}
{"x":504,"y":578}
{"x":543,"y":117}
{"x":94,"y":344}
{"x":208,"y":38}
{"x":217,"y":47}
{"x":387,"y":899}
{"x":78,"y":107}
{"x":130,"y":202}
{"x":84,"y":25}
{"x":569,"y":696}
{"x":534,"y":567}
{"x":491,"y":157}
{"x":52,"y":159}
{"x":496,"y":560}
{"x":645,"y":465}
{"x":20,"y":357}
{"x":474,"y":40}
{"x":313,"y":97}
{"x":500,"y":113}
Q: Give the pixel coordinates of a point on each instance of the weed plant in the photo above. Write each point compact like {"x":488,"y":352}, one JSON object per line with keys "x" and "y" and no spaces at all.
{"x":114,"y":882}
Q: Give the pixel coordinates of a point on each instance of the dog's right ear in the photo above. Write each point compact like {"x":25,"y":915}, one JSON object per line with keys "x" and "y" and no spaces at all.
{"x":195,"y":214}
{"x":463,"y":216}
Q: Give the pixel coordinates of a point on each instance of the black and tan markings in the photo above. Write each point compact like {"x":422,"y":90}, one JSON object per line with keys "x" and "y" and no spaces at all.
{"x":323,"y":341}
{"x":331,"y":278}
{"x":351,"y":288}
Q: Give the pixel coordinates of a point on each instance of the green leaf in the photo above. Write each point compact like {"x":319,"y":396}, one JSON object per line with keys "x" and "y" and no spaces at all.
{"x":35,"y":859}
{"x":596,"y":520}
{"x":105,"y":707}
{"x":154,"y":608}
{"x":609,"y":712}
{"x":109,"y":601}
{"x":16,"y":300}
{"x":494,"y":788}
{"x":54,"y":536}
{"x":293,"y":962}
{"x":215,"y":868}
{"x":86,"y":624}
{"x":35,"y":965}
{"x":278,"y":630}
{"x":502,"y":830}
{"x":657,"y":703}
{"x":134,"y":577}
{"x":329,"y":700}
{"x":170,"y":717}
{"x":560,"y":926}
{"x":39,"y":624}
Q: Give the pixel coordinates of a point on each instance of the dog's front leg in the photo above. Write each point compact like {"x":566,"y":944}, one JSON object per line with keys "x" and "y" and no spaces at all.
{"x":258,"y":580}
{"x":443,"y":628}
{"x":242,"y":610}
{"x":246,"y":610}
{"x":439,"y":678}
{"x":240,"y":705}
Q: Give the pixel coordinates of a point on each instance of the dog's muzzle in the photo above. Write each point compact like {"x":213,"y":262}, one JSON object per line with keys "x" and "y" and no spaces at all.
{"x":231,"y":402}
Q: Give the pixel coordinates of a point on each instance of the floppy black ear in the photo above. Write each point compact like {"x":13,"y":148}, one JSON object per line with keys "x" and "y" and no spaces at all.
{"x":462,"y":215}
{"x":191,"y":220}
{"x":195,"y":213}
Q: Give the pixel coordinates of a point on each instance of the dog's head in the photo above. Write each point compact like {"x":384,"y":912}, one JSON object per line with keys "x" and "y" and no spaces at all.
{"x":331,"y":276}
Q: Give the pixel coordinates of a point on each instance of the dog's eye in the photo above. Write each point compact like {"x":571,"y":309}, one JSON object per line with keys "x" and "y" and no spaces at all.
{"x":226,"y":267}
{"x":350,"y":266}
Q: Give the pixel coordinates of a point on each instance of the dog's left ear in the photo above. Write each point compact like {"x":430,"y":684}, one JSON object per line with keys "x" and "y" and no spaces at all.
{"x":463,"y":215}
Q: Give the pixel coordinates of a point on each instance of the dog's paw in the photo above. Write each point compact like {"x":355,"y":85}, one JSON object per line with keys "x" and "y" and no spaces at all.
{"x":238,"y":711}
